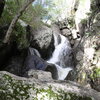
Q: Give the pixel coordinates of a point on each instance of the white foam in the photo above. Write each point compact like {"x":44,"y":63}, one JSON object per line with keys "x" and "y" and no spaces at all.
{"x":62,"y":72}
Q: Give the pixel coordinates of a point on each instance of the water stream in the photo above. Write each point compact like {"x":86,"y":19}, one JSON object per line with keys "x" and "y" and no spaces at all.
{"x":61,"y":57}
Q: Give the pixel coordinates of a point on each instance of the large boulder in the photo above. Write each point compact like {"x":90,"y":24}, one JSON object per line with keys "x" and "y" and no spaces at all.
{"x":13,"y":87}
{"x":42,"y":40}
{"x":33,"y":62}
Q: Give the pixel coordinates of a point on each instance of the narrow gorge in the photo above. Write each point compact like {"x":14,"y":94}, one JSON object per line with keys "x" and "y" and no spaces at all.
{"x":52,"y":50}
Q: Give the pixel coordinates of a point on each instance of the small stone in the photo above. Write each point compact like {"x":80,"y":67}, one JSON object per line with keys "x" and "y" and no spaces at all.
{"x":66,"y":32}
{"x":72,"y":42}
{"x":79,"y":55}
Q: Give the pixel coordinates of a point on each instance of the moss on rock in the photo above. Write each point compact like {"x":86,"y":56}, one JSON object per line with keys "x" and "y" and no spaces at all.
{"x":12,"y":89}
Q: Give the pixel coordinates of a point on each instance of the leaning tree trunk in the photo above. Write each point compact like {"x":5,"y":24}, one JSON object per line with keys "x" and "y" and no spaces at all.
{"x":14,"y":21}
{"x":2,"y":4}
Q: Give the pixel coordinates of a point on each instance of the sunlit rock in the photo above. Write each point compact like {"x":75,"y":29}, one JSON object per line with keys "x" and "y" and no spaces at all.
{"x":66,"y":32}
{"x":40,"y":75}
{"x":74,"y":34}
{"x":89,"y":52}
{"x":81,"y":13}
{"x":14,"y":87}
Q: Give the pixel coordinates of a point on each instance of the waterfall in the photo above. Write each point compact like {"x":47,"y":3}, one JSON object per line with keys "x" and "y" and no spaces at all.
{"x":61,"y":56}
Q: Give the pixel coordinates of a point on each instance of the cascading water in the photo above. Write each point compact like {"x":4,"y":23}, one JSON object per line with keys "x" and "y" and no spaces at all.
{"x":61,"y":57}
{"x":60,"y":62}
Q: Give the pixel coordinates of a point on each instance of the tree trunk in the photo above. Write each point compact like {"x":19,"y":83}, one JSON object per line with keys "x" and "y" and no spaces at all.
{"x":2,"y":3}
{"x":15,"y":19}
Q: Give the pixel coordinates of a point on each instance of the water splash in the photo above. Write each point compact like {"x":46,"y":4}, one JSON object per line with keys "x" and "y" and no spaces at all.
{"x":62,"y":72}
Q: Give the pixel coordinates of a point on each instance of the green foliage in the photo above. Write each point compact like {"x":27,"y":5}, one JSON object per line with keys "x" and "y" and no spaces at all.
{"x":71,"y":21}
{"x":48,"y":94}
{"x":71,"y":96}
{"x":96,"y":73}
{"x":95,"y":6}
{"x":11,"y":8}
{"x":32,"y":16}
{"x":84,"y":21}
{"x":20,"y":36}
{"x":13,"y":89}
{"x":59,"y":10}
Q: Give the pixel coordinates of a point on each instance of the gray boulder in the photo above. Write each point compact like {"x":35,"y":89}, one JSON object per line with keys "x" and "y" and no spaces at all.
{"x":42,"y":40}
{"x":34,"y":62}
{"x":13,"y":87}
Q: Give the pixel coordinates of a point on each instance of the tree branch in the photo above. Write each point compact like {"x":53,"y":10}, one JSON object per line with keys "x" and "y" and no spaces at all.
{"x":15,"y":19}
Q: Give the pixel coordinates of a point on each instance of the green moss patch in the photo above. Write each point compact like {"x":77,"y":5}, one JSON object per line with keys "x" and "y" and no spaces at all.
{"x":11,"y":89}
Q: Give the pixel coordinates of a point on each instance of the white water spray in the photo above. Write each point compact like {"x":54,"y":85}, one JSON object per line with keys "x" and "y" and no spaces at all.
{"x":61,"y":50}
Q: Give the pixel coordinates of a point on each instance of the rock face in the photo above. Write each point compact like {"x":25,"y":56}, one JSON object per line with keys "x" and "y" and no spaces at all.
{"x":42,"y":40}
{"x":84,"y":36}
{"x":88,"y":50}
{"x":13,"y":87}
{"x":88,"y":58}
